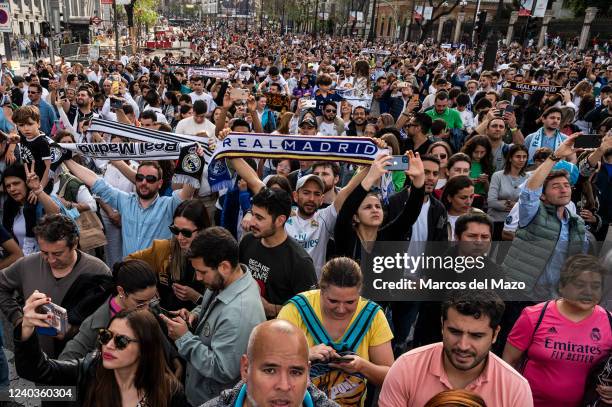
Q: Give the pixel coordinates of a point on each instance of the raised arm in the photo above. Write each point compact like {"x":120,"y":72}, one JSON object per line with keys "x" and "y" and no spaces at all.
{"x":252,"y":109}
{"x":565,"y":149}
{"x":126,"y":170}
{"x":84,"y":174}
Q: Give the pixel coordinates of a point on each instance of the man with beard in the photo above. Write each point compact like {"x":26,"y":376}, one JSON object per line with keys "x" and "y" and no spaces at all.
{"x":145,"y":215}
{"x":221,"y":324}
{"x":463,"y":360}
{"x":358,"y":123}
{"x":82,"y":110}
{"x":329,"y":172}
{"x":274,"y":375}
{"x":548,"y":135}
{"x":417,"y":128}
{"x":279,"y":264}
{"x":310,"y":227}
{"x":329,"y":123}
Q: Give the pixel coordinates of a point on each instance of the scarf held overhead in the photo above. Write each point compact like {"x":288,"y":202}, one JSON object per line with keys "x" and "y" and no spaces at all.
{"x":357,"y":150}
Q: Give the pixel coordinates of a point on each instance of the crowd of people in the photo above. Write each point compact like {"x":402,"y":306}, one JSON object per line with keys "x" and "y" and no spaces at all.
{"x":143,"y":286}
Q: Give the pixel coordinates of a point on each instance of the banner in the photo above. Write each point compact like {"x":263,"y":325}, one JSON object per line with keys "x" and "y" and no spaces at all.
{"x":529,"y":88}
{"x":202,"y":70}
{"x":375,"y":51}
{"x":540,"y":8}
{"x":358,"y":150}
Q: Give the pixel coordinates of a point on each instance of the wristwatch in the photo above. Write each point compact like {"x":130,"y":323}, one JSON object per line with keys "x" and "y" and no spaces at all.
{"x":554,"y":158}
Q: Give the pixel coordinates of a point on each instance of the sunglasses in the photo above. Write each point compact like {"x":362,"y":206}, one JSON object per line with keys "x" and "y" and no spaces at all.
{"x":121,"y":341}
{"x":330,"y":111}
{"x":31,"y":93}
{"x":185,"y":232}
{"x":440,"y":156}
{"x":151,"y":179}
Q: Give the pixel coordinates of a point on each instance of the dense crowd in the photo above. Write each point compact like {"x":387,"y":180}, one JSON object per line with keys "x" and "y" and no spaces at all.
{"x":135,"y":276}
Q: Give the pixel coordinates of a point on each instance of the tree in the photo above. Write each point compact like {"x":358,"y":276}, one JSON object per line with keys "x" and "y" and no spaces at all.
{"x":579,"y":6}
{"x":145,"y":12}
{"x":441,"y":8}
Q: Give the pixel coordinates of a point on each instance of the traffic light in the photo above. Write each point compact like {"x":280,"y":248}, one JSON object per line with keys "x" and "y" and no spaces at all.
{"x":480,"y":21}
{"x":46,"y":29}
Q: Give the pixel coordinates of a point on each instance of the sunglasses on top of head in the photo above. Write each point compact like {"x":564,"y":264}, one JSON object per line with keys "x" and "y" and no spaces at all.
{"x":121,"y":341}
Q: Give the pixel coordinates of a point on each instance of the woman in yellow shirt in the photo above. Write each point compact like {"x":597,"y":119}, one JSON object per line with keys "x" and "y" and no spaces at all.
{"x":349,"y":336}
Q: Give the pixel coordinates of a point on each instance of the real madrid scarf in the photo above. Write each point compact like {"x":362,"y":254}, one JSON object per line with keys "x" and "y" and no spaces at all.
{"x":537,"y":140}
{"x":188,"y":171}
{"x":358,"y":150}
{"x":191,"y":165}
{"x":529,"y":88}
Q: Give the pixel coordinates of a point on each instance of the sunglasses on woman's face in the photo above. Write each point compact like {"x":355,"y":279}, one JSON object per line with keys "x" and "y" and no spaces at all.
{"x":440,"y":156}
{"x":151,"y":179}
{"x":121,"y":341}
{"x":185,"y":232}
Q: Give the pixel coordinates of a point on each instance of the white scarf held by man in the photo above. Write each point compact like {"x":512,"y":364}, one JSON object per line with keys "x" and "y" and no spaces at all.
{"x":357,"y":150}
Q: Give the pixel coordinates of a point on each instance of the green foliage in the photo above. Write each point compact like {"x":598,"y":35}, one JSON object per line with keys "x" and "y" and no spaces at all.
{"x":579,"y":6}
{"x":145,"y":12}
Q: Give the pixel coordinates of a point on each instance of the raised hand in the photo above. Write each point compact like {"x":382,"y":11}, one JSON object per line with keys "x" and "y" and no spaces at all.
{"x":566,"y":148}
{"x":415,"y":170}
{"x":32,"y":180}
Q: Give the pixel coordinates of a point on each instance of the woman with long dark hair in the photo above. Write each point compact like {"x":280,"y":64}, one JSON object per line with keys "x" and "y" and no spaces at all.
{"x":129,"y":368}
{"x":479,"y":149}
{"x":177,"y":284}
{"x":504,"y":190}
{"x":458,"y":197}
{"x":134,"y":286}
{"x":26,"y":202}
{"x":532,"y":113}
{"x":360,"y":219}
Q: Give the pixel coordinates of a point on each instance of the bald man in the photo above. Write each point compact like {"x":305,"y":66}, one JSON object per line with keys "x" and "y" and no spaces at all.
{"x":274,"y":371}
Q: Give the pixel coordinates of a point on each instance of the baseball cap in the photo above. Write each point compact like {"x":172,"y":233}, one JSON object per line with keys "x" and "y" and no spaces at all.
{"x":310,"y":177}
{"x":308,"y":120}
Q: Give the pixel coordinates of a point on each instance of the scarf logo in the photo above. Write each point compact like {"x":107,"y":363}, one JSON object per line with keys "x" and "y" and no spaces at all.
{"x":56,"y":153}
{"x":191,"y":163}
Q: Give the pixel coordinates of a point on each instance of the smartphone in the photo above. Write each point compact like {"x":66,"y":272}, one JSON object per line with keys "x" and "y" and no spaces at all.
{"x":61,"y":93}
{"x":157,"y":309}
{"x":401,"y":85}
{"x":116,"y":103}
{"x":310,"y":104}
{"x":398,"y":163}
{"x":239,"y":94}
{"x":58,"y":324}
{"x":341,"y":359}
{"x":499,"y":113}
{"x":588,"y":141}
{"x":509,"y":109}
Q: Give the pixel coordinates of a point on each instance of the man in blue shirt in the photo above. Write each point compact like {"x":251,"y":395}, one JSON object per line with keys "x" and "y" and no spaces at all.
{"x":145,"y":215}
{"x":548,"y":233}
{"x":47,"y":113}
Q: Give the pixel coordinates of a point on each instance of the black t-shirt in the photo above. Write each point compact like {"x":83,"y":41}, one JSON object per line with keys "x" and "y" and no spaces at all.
{"x":422,"y":150}
{"x":37,"y":150}
{"x":282,"y":271}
